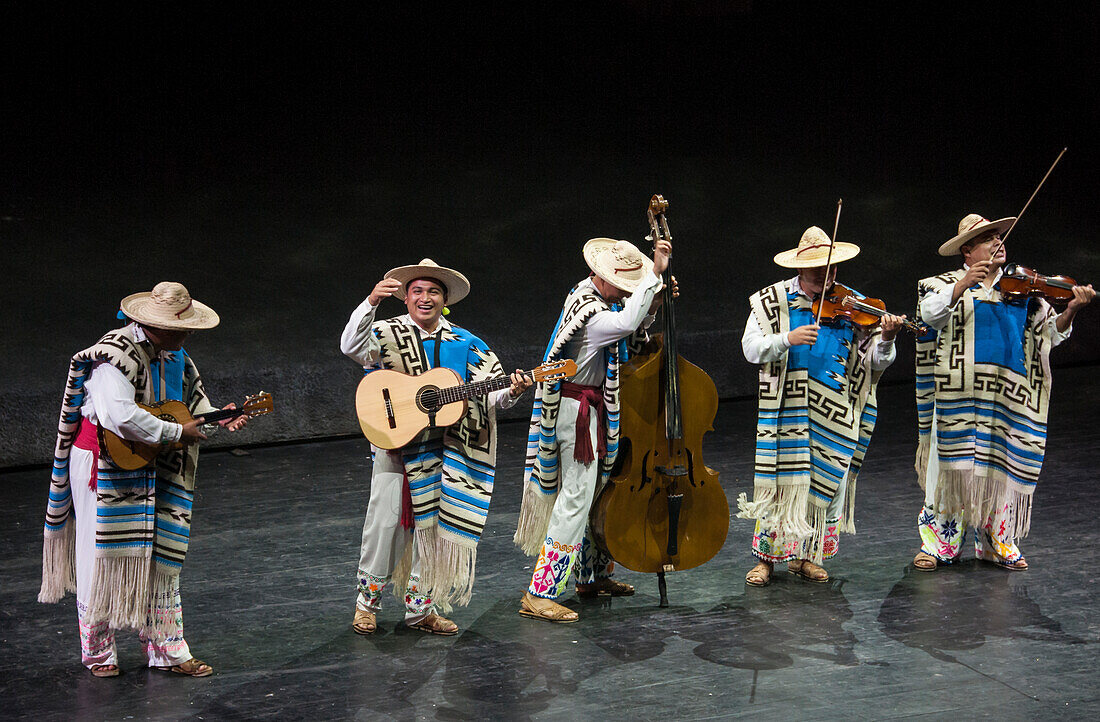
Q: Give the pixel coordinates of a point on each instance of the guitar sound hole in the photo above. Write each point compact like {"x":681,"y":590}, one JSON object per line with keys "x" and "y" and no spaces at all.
{"x":428,"y":399}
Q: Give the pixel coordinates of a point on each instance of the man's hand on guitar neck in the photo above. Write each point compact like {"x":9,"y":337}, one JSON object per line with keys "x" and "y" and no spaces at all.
{"x":520,"y":383}
{"x":192,"y":432}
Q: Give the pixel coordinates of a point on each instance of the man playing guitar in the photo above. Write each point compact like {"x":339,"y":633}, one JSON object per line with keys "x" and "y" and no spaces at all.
{"x":426,"y":509}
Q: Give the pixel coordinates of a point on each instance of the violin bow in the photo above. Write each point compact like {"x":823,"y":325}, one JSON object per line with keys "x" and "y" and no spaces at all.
{"x":1029,"y":200}
{"x":828,"y":262}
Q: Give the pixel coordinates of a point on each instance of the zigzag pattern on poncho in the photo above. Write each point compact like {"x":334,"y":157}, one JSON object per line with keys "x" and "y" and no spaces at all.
{"x":542,"y":468}
{"x":450,"y":472}
{"x":143,"y":516}
{"x":810,"y":431}
{"x":990,"y":406}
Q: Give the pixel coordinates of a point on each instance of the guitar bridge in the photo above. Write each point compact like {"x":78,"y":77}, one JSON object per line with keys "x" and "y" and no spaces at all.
{"x":389,"y":409}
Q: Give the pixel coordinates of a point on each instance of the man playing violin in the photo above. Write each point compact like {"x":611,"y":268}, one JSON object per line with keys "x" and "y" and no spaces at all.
{"x":574,"y":433}
{"x":983,"y":389}
{"x":427,"y":509}
{"x":817,"y":412}
{"x":126,"y":532}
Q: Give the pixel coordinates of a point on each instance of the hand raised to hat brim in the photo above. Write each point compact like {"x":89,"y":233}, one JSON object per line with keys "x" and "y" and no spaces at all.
{"x":384,"y":289}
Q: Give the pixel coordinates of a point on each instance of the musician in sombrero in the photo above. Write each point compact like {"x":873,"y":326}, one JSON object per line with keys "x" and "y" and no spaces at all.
{"x":817,"y":412}
{"x":573,"y":441}
{"x":983,"y":391}
{"x":427,"y":508}
{"x":124,"y":532}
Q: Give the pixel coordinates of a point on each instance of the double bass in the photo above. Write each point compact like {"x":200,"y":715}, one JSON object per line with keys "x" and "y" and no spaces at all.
{"x":663,"y":509}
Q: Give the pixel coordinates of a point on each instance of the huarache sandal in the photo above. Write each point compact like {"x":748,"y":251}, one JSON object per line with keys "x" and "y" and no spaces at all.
{"x":1020,"y":565}
{"x":925,"y":562}
{"x":545,"y":609}
{"x":435,"y":624}
{"x":605,"y":587}
{"x":808,"y":570}
{"x":760,"y":575}
{"x":364,"y":621}
{"x":191,"y":668}
{"x":104,"y":670}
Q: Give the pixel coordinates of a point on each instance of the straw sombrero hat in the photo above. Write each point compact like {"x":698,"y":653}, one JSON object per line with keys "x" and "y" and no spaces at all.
{"x":169,"y":306}
{"x":620,"y":263}
{"x":813,"y":251}
{"x":971,"y":227}
{"x":456,"y":284}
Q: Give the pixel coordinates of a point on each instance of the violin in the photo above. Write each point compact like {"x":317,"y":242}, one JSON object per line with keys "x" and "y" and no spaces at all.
{"x":841,"y":303}
{"x":1022,"y":282}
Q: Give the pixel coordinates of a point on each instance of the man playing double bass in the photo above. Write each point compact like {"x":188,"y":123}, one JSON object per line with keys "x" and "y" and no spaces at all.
{"x":817,"y":412}
{"x":983,"y":391}
{"x":575,"y":425}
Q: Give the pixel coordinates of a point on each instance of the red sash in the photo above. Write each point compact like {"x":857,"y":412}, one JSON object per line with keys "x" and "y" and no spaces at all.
{"x":87,"y":438}
{"x":589,"y":397}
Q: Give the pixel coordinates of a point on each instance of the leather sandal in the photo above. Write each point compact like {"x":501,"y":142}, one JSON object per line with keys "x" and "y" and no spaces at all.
{"x":808,"y":570}
{"x":1020,"y":565}
{"x":191,"y":668}
{"x":364,"y":621}
{"x":760,"y":575}
{"x":925,"y":562}
{"x":104,"y":670}
{"x":435,"y":624}
{"x":545,"y":609}
{"x":605,"y":587}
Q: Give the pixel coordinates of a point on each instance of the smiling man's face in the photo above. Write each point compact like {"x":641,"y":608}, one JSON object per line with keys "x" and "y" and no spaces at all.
{"x":425,"y":299}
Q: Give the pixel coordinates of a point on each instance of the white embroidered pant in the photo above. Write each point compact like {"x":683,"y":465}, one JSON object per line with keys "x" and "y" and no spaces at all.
{"x":943,"y":533}
{"x":97,"y":641}
{"x":384,"y":541}
{"x":567,"y":544}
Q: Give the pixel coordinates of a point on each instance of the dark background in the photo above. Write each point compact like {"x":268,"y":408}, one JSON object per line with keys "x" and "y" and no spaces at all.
{"x":278,"y":159}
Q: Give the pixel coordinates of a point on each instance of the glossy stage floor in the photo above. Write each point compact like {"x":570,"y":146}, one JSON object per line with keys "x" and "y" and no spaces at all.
{"x":268,"y":593}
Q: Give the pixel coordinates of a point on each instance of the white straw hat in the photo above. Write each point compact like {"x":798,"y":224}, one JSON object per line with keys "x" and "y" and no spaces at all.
{"x":813,"y":251}
{"x":169,"y":306}
{"x":455,"y":283}
{"x":971,"y":227}
{"x":620,"y":263}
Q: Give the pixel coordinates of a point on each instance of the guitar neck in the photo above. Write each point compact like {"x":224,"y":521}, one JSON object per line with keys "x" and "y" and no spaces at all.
{"x":221,"y":415}
{"x":477,"y":388}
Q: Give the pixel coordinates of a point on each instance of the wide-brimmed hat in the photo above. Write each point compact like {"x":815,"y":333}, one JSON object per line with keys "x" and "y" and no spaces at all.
{"x":620,"y":263}
{"x":971,"y":227}
{"x":169,"y":306}
{"x":813,"y":251}
{"x":456,"y":284}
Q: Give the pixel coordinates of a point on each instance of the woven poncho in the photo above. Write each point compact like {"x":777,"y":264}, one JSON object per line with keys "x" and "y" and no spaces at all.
{"x":450,"y":472}
{"x":814,"y":424}
{"x":985,"y":380}
{"x":143,"y":516}
{"x":542,"y":469}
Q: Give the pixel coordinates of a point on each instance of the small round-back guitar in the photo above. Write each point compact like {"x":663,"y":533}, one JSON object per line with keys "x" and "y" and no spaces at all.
{"x":131,"y":455}
{"x":393,"y":407}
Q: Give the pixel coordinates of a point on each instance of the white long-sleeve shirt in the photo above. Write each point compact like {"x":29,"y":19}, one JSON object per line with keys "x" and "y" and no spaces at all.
{"x":110,"y":403}
{"x":760,"y":347}
{"x":936,"y":308}
{"x":608,"y":327}
{"x":359,"y":344}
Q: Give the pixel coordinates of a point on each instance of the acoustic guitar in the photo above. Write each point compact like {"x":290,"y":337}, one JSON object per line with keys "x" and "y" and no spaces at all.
{"x":131,"y":455}
{"x":393,"y":407}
